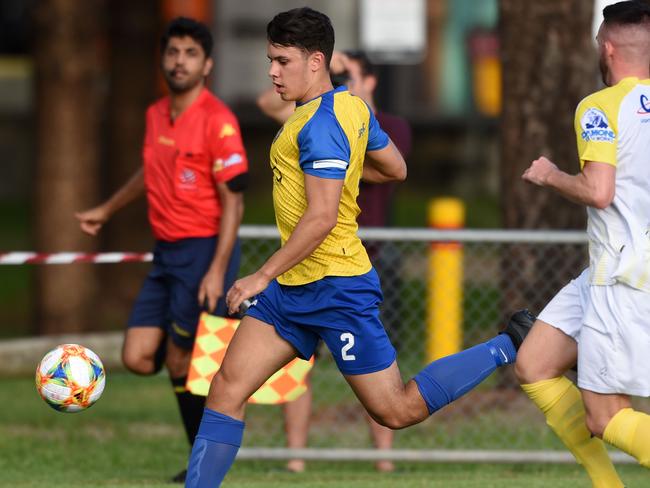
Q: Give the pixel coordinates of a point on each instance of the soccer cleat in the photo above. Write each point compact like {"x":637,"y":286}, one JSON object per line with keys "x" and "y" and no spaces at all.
{"x":180,"y":477}
{"x":518,"y":326}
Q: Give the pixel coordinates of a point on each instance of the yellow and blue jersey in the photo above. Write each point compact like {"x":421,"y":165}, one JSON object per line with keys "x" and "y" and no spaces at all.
{"x":613,"y":127}
{"x":326,"y":137}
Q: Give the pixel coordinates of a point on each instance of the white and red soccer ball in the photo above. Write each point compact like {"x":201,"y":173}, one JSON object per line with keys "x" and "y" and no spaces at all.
{"x":70,"y":378}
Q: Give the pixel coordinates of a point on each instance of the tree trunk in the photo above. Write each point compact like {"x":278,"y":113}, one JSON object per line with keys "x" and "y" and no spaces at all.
{"x":134,"y":32}
{"x":70,"y":68}
{"x":550,"y":64}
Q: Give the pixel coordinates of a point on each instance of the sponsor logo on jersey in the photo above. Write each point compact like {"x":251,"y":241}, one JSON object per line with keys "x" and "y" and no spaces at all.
{"x":220,"y":164}
{"x":362,"y":131}
{"x":234,"y":158}
{"x":595,"y":126}
{"x":226,"y":131}
{"x":165,"y":141}
{"x":187,"y":179}
{"x":645,"y":106}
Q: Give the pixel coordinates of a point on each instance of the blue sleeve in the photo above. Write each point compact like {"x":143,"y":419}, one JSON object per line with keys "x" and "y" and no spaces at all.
{"x":324,"y":147}
{"x":377,"y":138}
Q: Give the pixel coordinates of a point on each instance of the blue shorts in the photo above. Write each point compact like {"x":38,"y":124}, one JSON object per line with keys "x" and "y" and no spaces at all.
{"x":169,"y":295}
{"x":341,"y":310}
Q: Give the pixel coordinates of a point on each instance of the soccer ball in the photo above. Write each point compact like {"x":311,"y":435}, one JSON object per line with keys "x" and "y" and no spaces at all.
{"x":70,"y":378}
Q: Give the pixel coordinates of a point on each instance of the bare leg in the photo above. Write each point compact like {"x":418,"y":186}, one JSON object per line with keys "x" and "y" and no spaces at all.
{"x":139,"y":349}
{"x":601,"y":409}
{"x":177,"y":360}
{"x":255,"y":353}
{"x":613,"y":418}
{"x":296,"y":425}
{"x":396,"y":405}
{"x":382,"y":438}
{"x":534,"y":363}
{"x":387,"y":399}
{"x":296,"y":421}
{"x":140,"y":354}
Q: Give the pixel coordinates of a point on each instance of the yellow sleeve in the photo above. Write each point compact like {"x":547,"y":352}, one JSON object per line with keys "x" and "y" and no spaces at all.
{"x":596,"y":131}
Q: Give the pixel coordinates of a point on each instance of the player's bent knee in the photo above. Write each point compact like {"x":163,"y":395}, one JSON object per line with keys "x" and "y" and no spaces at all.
{"x":225,"y":395}
{"x":522,"y":372}
{"x":396,"y":422}
{"x":527,"y":371}
{"x":218,"y":386}
{"x":391,"y":422}
{"x":395,"y":418}
{"x":138,"y":364}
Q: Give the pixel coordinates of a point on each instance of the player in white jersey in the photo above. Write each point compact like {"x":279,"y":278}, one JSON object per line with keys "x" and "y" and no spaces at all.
{"x":602,"y":318}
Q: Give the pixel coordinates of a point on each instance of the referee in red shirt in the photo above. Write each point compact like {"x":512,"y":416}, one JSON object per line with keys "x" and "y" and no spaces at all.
{"x":195,"y":170}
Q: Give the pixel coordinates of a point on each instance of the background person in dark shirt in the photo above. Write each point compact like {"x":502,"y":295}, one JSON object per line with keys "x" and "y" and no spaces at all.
{"x":375,"y":200}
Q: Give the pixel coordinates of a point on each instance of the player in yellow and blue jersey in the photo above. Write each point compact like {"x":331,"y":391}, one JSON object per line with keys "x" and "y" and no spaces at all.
{"x":320,"y":284}
{"x":600,"y":318}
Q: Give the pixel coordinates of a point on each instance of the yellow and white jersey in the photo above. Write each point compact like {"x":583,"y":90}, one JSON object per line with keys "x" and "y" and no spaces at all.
{"x":326,"y":137}
{"x":613,"y":126}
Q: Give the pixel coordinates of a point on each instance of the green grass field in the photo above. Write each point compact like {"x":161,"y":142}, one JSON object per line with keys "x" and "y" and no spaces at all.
{"x":132,"y":437}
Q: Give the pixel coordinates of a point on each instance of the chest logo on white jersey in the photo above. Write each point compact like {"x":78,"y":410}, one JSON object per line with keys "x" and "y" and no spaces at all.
{"x":645,"y":106}
{"x":595,"y":126}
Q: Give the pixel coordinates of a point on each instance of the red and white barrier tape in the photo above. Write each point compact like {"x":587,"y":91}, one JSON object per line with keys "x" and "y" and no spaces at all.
{"x":73,"y":257}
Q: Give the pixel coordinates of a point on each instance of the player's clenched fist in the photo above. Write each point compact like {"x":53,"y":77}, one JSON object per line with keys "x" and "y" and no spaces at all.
{"x":92,"y":220}
{"x":539,"y":171}
{"x":244,"y":288}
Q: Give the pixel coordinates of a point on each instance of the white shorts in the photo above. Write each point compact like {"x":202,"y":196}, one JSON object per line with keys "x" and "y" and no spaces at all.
{"x":612,"y":327}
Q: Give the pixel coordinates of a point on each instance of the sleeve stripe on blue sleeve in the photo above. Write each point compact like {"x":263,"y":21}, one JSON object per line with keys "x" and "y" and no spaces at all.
{"x":330,"y":163}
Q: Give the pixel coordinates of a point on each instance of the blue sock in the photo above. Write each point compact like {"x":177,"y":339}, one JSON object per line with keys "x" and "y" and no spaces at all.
{"x":449,"y":378}
{"x":214,"y":450}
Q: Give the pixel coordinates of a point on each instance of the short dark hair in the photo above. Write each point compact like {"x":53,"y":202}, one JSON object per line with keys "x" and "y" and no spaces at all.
{"x":627,"y":13}
{"x":186,"y":27}
{"x":367,"y":68}
{"x":304,"y":28}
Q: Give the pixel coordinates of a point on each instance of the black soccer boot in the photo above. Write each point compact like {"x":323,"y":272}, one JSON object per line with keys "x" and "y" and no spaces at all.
{"x":180,"y":477}
{"x":518,"y":326}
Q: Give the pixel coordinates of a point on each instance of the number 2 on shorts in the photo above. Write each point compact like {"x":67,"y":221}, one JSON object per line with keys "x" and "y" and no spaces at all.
{"x":349,"y":340}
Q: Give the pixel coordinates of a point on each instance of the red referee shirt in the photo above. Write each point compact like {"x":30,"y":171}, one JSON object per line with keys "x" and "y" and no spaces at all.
{"x":183,"y":161}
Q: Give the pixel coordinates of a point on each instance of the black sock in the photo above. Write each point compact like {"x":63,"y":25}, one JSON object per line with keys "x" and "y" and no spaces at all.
{"x":191,"y":407}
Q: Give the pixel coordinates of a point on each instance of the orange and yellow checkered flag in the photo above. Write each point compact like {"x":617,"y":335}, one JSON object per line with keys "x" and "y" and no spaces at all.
{"x":212,"y":338}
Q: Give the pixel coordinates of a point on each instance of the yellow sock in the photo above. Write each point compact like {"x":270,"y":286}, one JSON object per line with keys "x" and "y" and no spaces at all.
{"x":562,"y":405}
{"x":629,"y":430}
